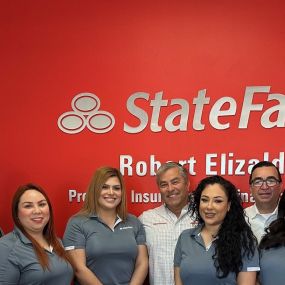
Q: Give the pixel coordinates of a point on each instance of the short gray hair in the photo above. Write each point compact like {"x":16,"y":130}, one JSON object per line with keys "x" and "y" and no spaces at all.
{"x":168,"y":165}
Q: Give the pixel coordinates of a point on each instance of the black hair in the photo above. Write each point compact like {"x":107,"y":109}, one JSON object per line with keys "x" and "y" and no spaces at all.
{"x":264,"y":164}
{"x":235,"y":238}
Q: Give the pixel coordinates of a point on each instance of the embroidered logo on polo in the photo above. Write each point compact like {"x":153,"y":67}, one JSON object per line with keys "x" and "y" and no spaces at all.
{"x":86,"y":113}
{"x":126,"y":228}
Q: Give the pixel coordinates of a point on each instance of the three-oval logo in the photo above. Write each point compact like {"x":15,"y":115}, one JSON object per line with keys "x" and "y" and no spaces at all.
{"x":86,"y":113}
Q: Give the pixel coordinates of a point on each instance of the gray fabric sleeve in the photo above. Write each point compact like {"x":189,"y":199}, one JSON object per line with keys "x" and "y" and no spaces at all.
{"x":74,"y":237}
{"x":140,"y":236}
{"x":177,"y":253}
{"x":252,"y":263}
{"x":9,"y":270}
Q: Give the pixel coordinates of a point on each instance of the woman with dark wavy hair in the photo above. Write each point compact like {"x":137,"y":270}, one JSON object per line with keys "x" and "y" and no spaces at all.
{"x":272,"y":250}
{"x":32,"y":254}
{"x":222,"y":249}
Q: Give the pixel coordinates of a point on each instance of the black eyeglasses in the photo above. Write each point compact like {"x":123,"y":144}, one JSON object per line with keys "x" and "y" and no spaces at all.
{"x":270,"y":182}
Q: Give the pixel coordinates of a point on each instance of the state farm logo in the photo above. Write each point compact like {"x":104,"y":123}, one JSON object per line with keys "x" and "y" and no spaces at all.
{"x":86,"y":113}
{"x":158,"y":114}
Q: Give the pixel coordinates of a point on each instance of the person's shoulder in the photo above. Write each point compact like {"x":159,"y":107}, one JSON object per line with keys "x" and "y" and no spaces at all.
{"x":9,"y":242}
{"x":132,"y":221}
{"x":250,"y":209}
{"x":188,"y":232}
{"x":6,"y":238}
{"x":132,"y":217}
{"x":77,"y":220}
{"x":151,"y":212}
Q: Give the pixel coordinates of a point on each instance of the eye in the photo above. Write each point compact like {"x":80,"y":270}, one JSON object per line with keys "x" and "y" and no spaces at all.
{"x":43,"y":204}
{"x":117,"y":188}
{"x":204,"y":200}
{"x":163,"y":185}
{"x":257,"y":182}
{"x":219,"y":201}
{"x":272,"y":181}
{"x":105,"y":186}
{"x":27,"y":206}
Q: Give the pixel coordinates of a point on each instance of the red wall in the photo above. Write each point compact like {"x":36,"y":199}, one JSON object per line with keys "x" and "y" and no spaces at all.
{"x":52,"y":51}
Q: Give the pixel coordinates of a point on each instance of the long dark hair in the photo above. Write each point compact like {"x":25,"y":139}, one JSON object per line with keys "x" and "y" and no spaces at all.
{"x":235,"y":237}
{"x":48,"y":231}
{"x":275,"y":233}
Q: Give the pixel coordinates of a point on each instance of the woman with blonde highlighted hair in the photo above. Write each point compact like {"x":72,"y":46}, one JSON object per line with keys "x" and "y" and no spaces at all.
{"x":106,"y":245}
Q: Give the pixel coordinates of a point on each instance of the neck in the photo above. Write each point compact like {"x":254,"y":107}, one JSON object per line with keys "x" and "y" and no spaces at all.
{"x":41,"y":240}
{"x":209,"y":233}
{"x":176,"y":210}
{"x":266,"y":208}
{"x":108,"y":217}
{"x":211,"y":230}
{"x":37,"y":235}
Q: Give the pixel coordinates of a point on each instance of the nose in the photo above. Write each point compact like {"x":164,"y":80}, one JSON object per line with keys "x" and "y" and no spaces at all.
{"x":170,"y":186}
{"x":209,"y":205}
{"x":111,"y":191}
{"x":264,"y":185}
{"x":37,"y":209}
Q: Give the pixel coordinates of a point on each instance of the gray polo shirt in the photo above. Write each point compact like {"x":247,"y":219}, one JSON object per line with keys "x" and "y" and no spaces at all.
{"x":19,"y":263}
{"x":110,"y":254}
{"x":196,"y":262}
{"x":272,"y":266}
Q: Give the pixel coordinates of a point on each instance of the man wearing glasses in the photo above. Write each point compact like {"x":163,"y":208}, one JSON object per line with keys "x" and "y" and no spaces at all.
{"x":265,"y":185}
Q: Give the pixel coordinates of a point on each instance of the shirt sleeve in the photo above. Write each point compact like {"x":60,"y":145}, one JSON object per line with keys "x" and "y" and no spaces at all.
{"x":251,"y":263}
{"x":140,"y":236}
{"x":177,"y":253}
{"x":74,"y":237}
{"x":9,"y":270}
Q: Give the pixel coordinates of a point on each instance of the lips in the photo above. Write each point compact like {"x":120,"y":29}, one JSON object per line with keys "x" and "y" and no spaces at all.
{"x":265,"y":194}
{"x":209,"y":215}
{"x":110,"y":199}
{"x":172,"y":195}
{"x":37,"y":220}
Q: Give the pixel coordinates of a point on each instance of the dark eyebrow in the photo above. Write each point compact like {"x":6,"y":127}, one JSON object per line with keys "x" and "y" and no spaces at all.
{"x":213,"y":197}
{"x":28,"y":202}
{"x":269,"y":177}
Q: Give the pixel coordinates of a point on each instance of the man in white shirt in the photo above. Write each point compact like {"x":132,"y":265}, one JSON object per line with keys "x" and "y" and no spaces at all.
{"x":265,"y":185}
{"x":164,"y":224}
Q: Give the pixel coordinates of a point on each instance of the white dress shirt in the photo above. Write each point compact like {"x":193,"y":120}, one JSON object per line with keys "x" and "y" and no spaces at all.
{"x":162,"y":231}
{"x":258,"y":222}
